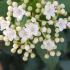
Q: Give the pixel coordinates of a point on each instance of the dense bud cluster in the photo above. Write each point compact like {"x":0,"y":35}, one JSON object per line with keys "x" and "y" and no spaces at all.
{"x":46,"y":30}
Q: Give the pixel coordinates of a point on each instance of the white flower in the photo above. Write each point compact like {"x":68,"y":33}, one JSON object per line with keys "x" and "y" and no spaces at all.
{"x":10,"y":33}
{"x":28,"y":32}
{"x":49,"y":45}
{"x":49,"y":10}
{"x":33,"y":28}
{"x":61,"y":23}
{"x":18,"y":12}
{"x":3,"y":24}
{"x":25,"y":34}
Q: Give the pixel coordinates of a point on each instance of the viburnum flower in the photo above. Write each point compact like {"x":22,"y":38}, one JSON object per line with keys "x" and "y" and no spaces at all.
{"x":61,"y":24}
{"x":18,"y":12}
{"x":25,"y":34}
{"x":33,"y":28}
{"x":4,"y":24}
{"x":49,"y":10}
{"x":10,"y":34}
{"x":49,"y":45}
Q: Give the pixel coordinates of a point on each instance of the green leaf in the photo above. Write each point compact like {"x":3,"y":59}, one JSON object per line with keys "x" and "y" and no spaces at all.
{"x":65,"y":65}
{"x":6,"y":49}
{"x":68,"y":41}
{"x":3,"y":8}
{"x":32,"y":64}
{"x":22,"y":23}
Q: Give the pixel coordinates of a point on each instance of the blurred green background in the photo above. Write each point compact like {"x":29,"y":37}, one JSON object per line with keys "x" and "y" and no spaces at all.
{"x":14,"y":62}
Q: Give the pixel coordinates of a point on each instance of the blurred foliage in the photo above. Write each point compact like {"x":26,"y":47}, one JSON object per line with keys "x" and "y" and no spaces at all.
{"x":14,"y":62}
{"x":3,"y":8}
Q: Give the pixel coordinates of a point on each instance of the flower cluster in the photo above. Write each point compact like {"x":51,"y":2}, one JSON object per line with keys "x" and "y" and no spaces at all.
{"x":42,"y":24}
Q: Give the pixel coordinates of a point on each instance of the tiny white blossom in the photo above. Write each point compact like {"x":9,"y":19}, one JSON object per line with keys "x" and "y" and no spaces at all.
{"x":33,"y":28}
{"x":49,"y":45}
{"x":49,"y":10}
{"x":24,"y":34}
{"x":3,"y":24}
{"x":61,"y":23}
{"x":10,"y":33}
{"x":18,"y":12}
